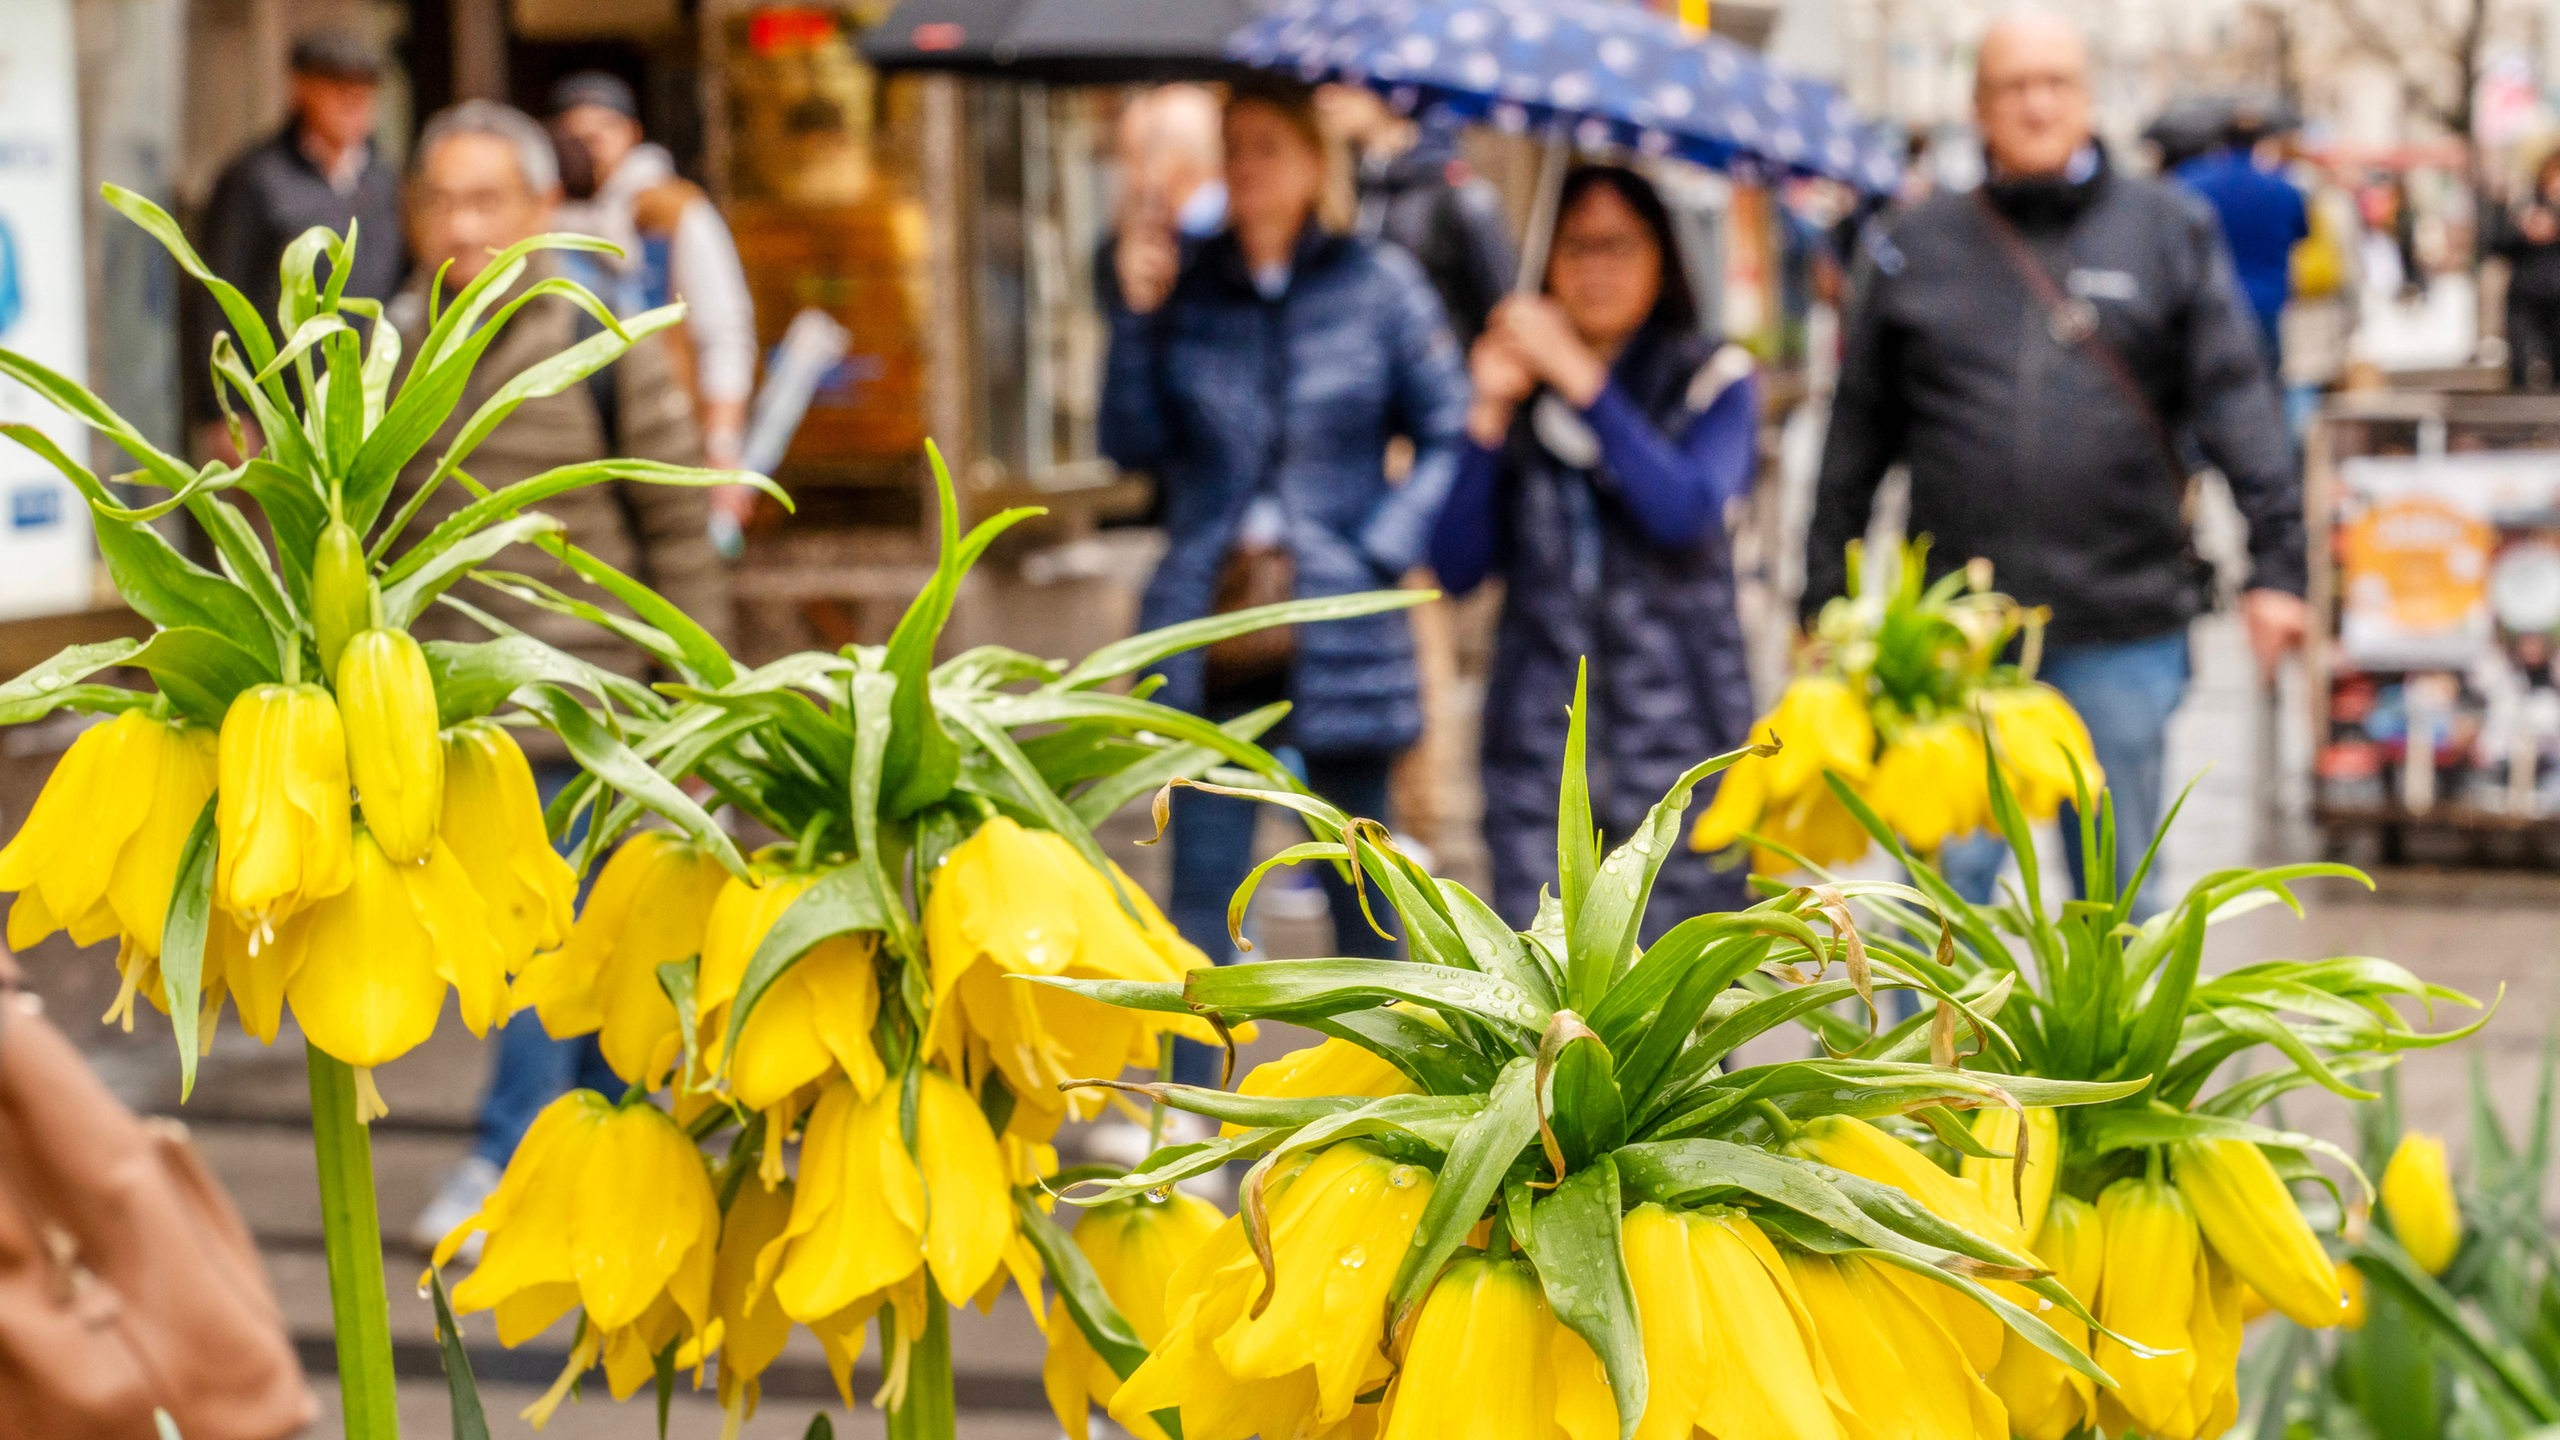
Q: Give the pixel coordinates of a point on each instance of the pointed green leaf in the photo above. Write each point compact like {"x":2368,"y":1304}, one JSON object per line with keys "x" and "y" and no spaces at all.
{"x":840,"y":902}
{"x":1482,"y":1153}
{"x":182,"y":945}
{"x":1573,"y":1240}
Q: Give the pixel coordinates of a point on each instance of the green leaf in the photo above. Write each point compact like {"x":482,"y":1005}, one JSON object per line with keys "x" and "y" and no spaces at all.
{"x":1577,"y":844}
{"x":51,"y":684}
{"x":1428,"y":1055}
{"x":678,"y":978}
{"x":1574,"y":1243}
{"x":840,"y":902}
{"x":2391,"y":1272}
{"x":1107,"y":796}
{"x":1290,"y":988}
{"x":1138,"y":652}
{"x":201,"y":671}
{"x":1601,"y":940}
{"x":75,"y":400}
{"x":701,"y":656}
{"x":474,"y":677}
{"x":923,"y":759}
{"x":872,"y":697}
{"x":470,"y":1422}
{"x":1079,"y":1289}
{"x":182,"y":944}
{"x":552,"y":375}
{"x":1495,"y":948}
{"x":244,"y":559}
{"x":1479,"y":1157}
{"x":1174,"y":1164}
{"x":506,"y":502}
{"x":246,"y":323}
{"x":404,"y":602}
{"x":2129,"y":1129}
{"x":600,"y":751}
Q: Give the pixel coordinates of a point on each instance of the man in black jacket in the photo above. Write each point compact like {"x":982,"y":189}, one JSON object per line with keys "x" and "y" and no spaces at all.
{"x":322,"y":168}
{"x":2041,"y":354}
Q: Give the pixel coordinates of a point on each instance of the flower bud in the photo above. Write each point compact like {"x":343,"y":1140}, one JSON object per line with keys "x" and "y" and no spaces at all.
{"x":393,"y":747}
{"x":285,"y":838}
{"x":2417,"y":1197}
{"x":341,"y":592}
{"x":2251,"y":1221}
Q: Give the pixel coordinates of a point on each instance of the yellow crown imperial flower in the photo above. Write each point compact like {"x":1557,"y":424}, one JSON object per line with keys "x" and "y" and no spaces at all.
{"x":281,"y":814}
{"x":99,"y":852}
{"x":1010,"y":901}
{"x":493,"y":821}
{"x":1821,"y":723}
{"x":1929,"y":785}
{"x":2147,"y":1292}
{"x":2040,"y":738}
{"x":1846,"y":1143}
{"x":1729,"y":1347}
{"x":2046,"y":1399}
{"x":815,"y":1018}
{"x":1899,"y":1367}
{"x":1134,"y":1246}
{"x":858,"y":1218}
{"x":1338,"y":1228}
{"x":393,"y":749}
{"x":2417,"y":1198}
{"x":1998,"y":1180}
{"x":366,"y":969}
{"x":748,"y":1328}
{"x":604,"y":1207}
{"x":1480,"y":1362}
{"x":651,"y":904}
{"x":2251,"y":1221}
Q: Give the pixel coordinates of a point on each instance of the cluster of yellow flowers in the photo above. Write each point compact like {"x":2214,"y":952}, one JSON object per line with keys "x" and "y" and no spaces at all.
{"x":903,"y":1190}
{"x":366,"y":862}
{"x":1927,"y":781}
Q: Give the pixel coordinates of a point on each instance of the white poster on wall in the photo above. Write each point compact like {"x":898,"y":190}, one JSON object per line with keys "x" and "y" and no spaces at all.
{"x":45,"y":548}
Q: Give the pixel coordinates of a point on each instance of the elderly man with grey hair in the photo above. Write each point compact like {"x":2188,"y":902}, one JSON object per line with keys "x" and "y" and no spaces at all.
{"x":486,"y":177}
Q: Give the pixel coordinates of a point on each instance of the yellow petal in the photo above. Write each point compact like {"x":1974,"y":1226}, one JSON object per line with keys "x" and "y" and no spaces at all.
{"x":286,"y":832}
{"x":857,"y":1223}
{"x":969,"y":1200}
{"x":2253,"y":1224}
{"x":2147,"y":1293}
{"x":394,"y":753}
{"x":646,"y":1205}
{"x":369,"y":985}
{"x":2417,"y":1198}
{"x":1478,"y":1363}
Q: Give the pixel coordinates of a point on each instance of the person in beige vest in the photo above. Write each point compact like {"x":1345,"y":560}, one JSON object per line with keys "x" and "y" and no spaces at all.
{"x":485,"y":178}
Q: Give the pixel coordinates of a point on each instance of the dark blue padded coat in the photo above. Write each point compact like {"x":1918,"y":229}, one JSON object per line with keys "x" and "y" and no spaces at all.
{"x":1220,"y":393}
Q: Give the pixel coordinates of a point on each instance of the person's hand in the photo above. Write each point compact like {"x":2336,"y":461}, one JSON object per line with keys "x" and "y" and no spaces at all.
{"x":1148,"y":259}
{"x":1502,"y":380}
{"x":1537,"y":330}
{"x":2276,"y":622}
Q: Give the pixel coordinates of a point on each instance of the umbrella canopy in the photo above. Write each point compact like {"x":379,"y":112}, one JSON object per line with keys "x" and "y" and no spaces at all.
{"x":1607,"y":72}
{"x":1061,"y":42}
{"x":2199,"y":123}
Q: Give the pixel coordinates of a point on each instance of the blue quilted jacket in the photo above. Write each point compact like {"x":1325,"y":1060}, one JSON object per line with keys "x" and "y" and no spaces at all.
{"x":1222,"y":393}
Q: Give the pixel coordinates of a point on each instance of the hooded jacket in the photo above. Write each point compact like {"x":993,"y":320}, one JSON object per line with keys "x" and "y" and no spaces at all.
{"x":1222,"y":393}
{"x":2023,"y":450}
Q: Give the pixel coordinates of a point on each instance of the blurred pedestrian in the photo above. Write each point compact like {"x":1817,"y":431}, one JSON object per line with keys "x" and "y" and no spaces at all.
{"x":486,"y":177}
{"x":2038,"y":353}
{"x":1415,"y":191}
{"x":1607,"y":437}
{"x":1260,"y":382}
{"x":675,"y":247}
{"x":2528,"y":237}
{"x":2263,"y":218}
{"x":323,"y":168}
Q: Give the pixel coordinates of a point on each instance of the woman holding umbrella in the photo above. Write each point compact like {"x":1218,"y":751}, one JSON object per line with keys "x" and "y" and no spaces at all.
{"x":1607,"y":436}
{"x":1260,"y":381}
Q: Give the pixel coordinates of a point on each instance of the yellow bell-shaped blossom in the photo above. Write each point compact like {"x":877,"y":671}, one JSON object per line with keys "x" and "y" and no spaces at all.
{"x":606,"y":1208}
{"x":1339,"y":1226}
{"x":1331,"y":1066}
{"x":858,"y":1221}
{"x":1999,"y":1180}
{"x":2215,"y":1330}
{"x":1929,"y":785}
{"x":2251,"y":1221}
{"x":492,"y":820}
{"x":282,"y":815}
{"x":2046,"y":1399}
{"x":1009,"y":902}
{"x":968,"y":1189}
{"x":816,"y":1016}
{"x":2417,"y":1198}
{"x":1899,"y":1367}
{"x":1847,"y":1143}
{"x":1729,"y":1347}
{"x":650,"y":905}
{"x":1821,"y":724}
{"x":2040,"y":738}
{"x":98,"y":854}
{"x":748,"y":1327}
{"x":2358,"y":1305}
{"x":1134,"y":1246}
{"x":366,"y":969}
{"x":393,"y":749}
{"x":1480,"y":1361}
{"x":2147,"y":1293}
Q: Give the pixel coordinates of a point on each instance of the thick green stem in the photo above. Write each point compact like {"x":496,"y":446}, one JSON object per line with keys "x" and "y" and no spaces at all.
{"x":352,"y":1228}
{"x":927,"y":1411}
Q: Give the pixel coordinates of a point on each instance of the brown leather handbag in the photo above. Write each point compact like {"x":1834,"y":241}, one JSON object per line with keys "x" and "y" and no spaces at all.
{"x":127,"y":1281}
{"x":1253,"y":576}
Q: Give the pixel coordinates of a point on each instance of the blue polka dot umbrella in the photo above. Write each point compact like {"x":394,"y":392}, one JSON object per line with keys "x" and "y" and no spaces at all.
{"x":1599,"y":72}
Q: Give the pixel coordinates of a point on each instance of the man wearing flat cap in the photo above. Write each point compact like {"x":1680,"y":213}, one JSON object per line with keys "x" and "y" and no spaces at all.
{"x":322,"y":168}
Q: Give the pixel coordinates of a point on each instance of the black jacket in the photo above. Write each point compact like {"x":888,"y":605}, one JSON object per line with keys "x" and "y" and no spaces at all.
{"x":2025,"y":451}
{"x":2534,"y":273}
{"x":1427,"y":202}
{"x":266,"y":198}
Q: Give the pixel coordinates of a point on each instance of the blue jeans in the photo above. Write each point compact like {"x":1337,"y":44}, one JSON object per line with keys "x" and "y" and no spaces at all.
{"x":1213,"y":852}
{"x":2125,"y":692}
{"x":532,"y":1069}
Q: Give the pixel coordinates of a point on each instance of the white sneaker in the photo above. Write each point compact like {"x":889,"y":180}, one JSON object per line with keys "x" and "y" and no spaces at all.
{"x":465,"y":1189}
{"x":1292,"y":893}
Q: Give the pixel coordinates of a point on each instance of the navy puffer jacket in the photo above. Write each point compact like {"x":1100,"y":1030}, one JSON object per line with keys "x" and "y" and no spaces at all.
{"x":1221,"y":393}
